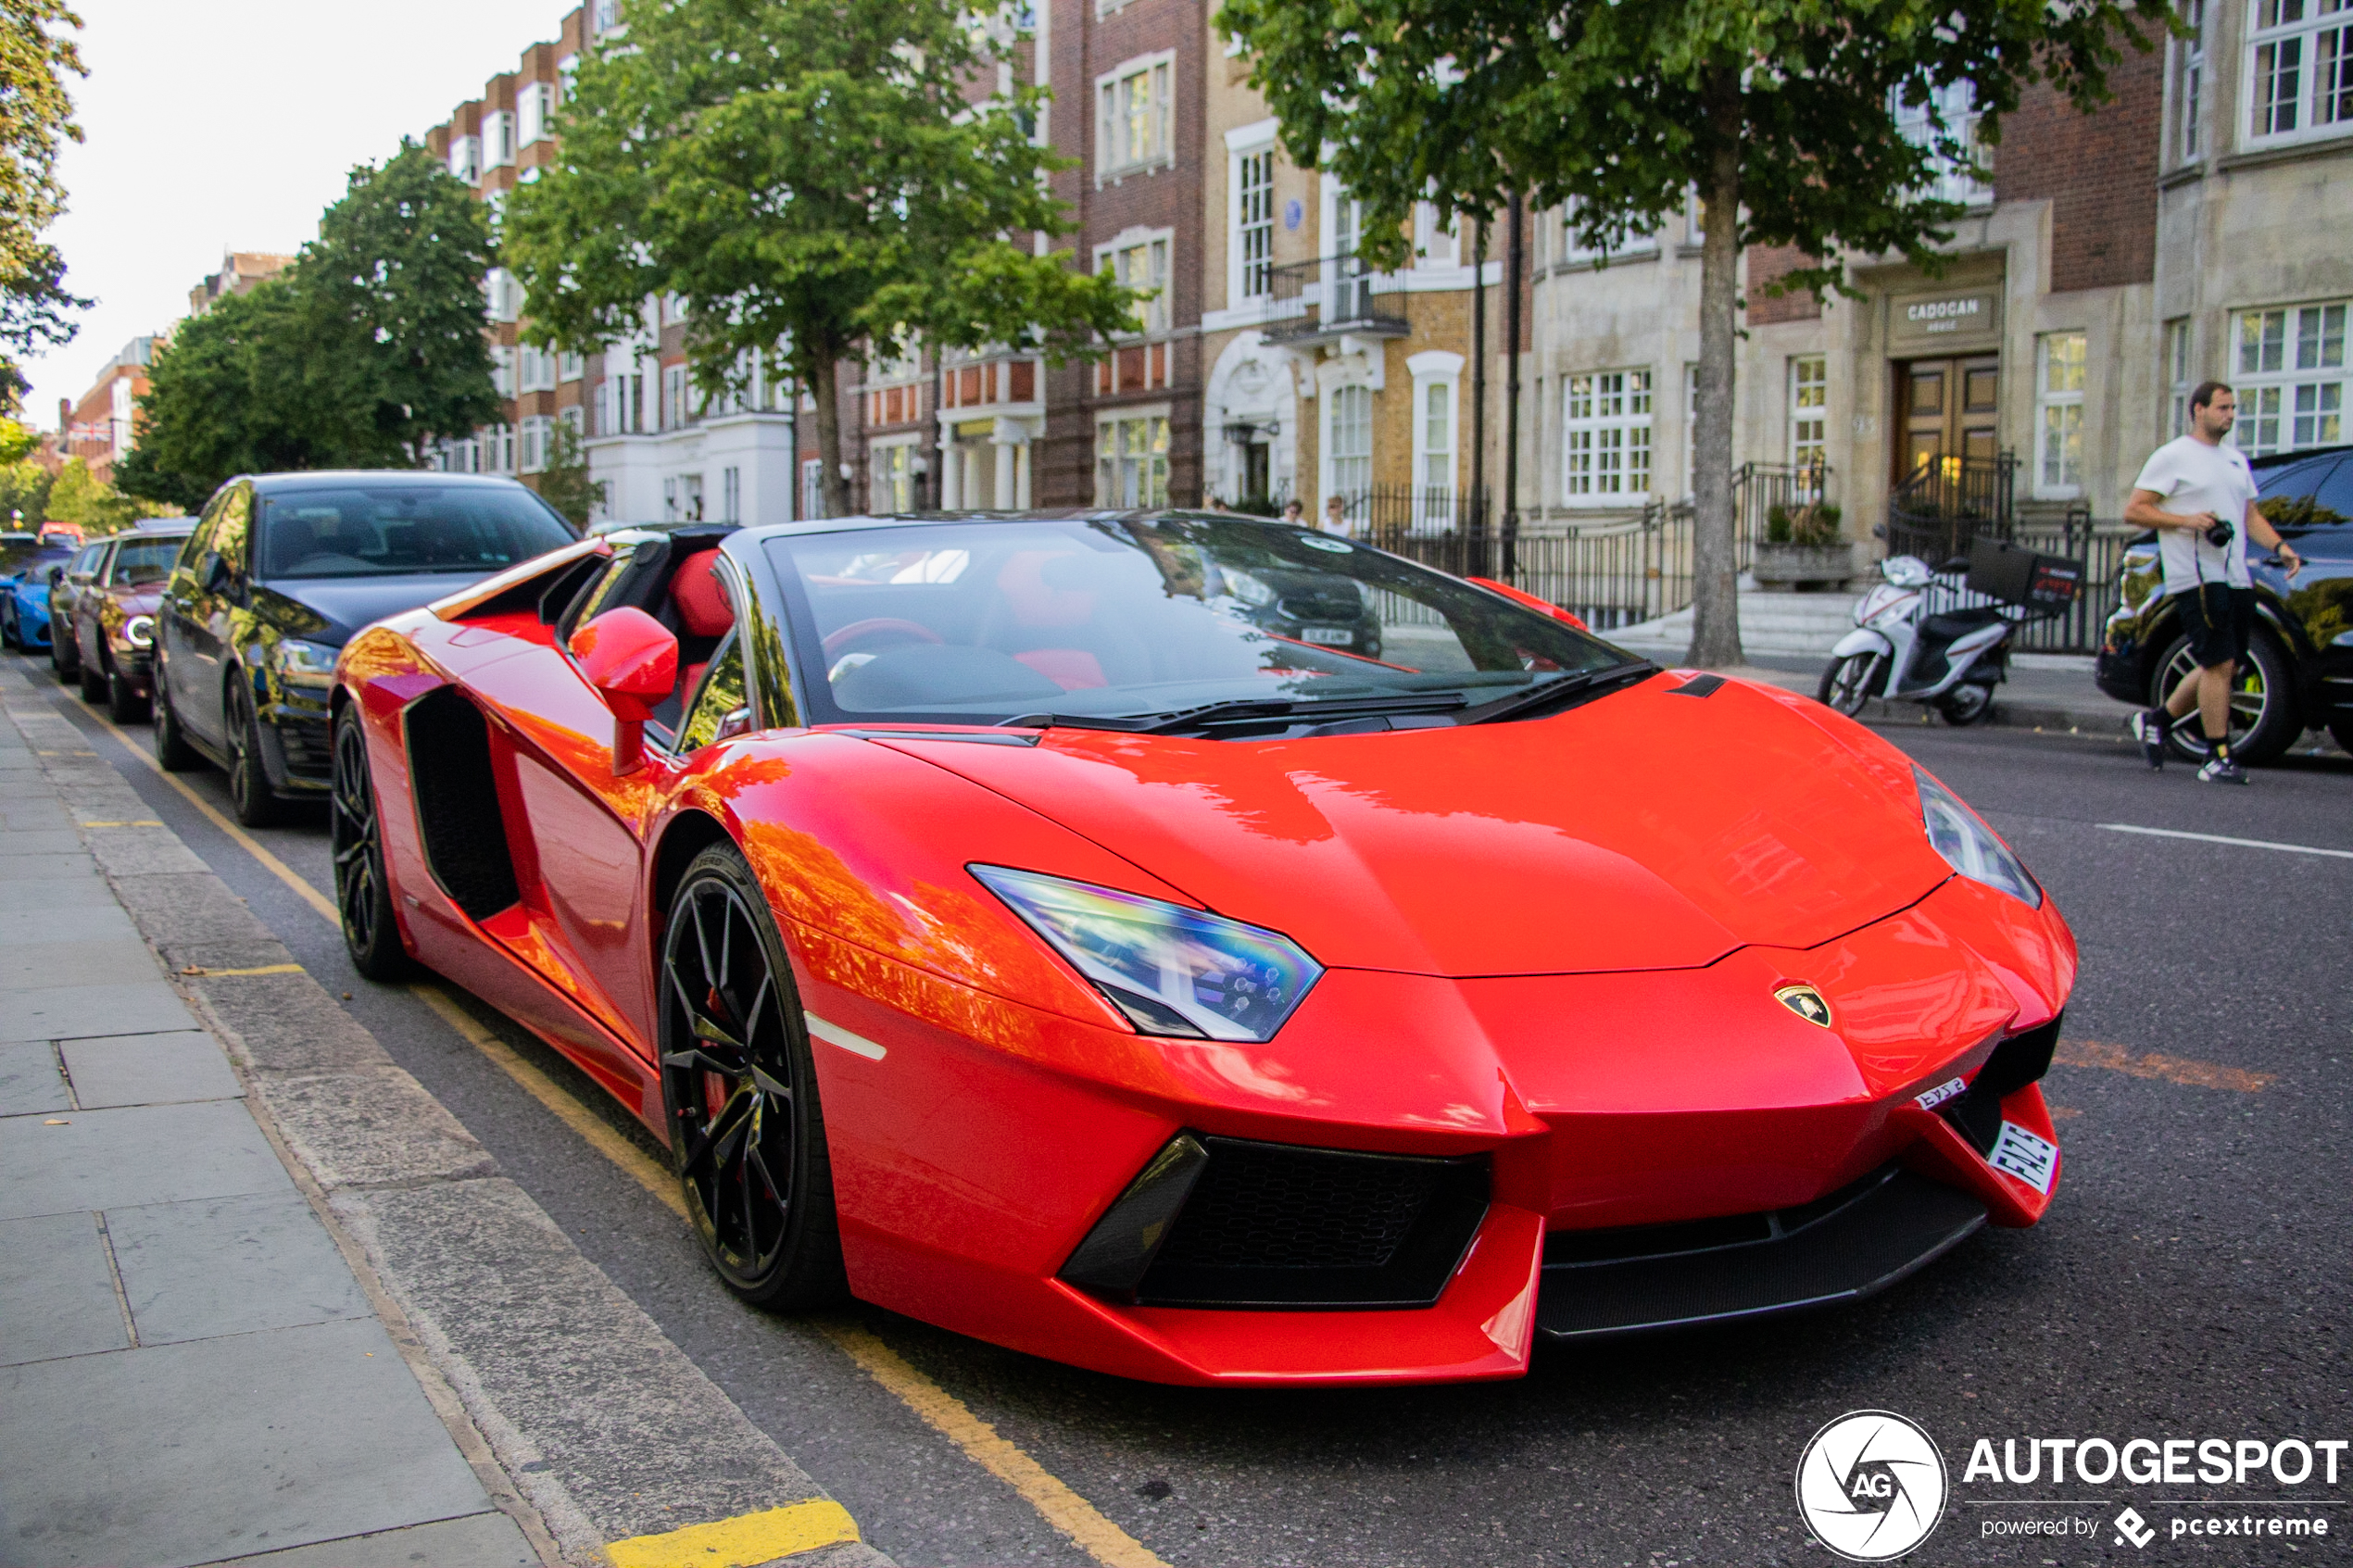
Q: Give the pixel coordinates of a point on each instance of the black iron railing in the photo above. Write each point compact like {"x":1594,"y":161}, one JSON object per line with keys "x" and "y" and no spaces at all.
{"x":1947,"y":502}
{"x":1327,"y":296}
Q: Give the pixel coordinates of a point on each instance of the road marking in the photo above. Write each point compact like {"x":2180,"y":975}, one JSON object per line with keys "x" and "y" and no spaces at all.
{"x":193,"y":969}
{"x":834,"y":1034}
{"x":2172,"y":1069}
{"x":1053,"y":1499}
{"x":1061,"y":1507}
{"x":139,"y":822}
{"x":2236,"y":842}
{"x":747,"y":1538}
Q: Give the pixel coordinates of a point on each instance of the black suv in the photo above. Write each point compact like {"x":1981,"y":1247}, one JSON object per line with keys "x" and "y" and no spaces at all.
{"x":280,"y":572}
{"x":2299,"y":671}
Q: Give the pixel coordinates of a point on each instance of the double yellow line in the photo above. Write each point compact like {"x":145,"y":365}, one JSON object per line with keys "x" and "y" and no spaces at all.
{"x":754,"y":1537}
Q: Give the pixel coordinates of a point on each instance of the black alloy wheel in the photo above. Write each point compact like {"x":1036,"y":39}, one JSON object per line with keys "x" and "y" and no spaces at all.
{"x":740,"y":1093}
{"x":2262,"y":725}
{"x":363,"y":894}
{"x":1852,"y":681}
{"x":173,"y":754}
{"x":249,"y":791}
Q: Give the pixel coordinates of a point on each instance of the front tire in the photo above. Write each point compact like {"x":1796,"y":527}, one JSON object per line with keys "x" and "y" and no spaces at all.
{"x":739,"y":1094}
{"x":363,"y":893}
{"x":249,"y":793}
{"x":2263,"y":724}
{"x":1850,"y":682}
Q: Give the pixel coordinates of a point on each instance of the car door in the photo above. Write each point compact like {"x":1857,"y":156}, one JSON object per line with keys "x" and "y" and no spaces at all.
{"x":208,"y":592}
{"x":67,"y":613}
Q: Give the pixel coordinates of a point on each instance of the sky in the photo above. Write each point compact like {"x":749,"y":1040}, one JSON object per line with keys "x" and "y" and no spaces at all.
{"x":231,"y":125}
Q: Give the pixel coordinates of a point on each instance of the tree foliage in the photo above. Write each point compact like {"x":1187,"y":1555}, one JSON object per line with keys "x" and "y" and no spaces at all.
{"x":809,"y":179}
{"x":1782,"y":114}
{"x":361,"y":355}
{"x":36,"y":119}
{"x":564,"y":484}
{"x":81,"y":497}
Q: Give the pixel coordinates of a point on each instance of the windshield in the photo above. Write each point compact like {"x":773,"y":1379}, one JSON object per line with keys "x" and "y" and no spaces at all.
{"x":139,"y":563}
{"x":17,"y":556}
{"x":980,"y":621}
{"x":385,"y":531}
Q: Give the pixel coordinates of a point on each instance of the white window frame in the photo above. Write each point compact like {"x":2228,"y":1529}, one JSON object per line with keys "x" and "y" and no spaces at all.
{"x":2179,"y":381}
{"x":501,"y":294}
{"x":497,"y":139}
{"x":535,"y":106}
{"x":567,"y":78}
{"x":1608,"y":430}
{"x":1435,"y":248}
{"x":495,"y":448}
{"x":812,"y":489}
{"x":1439,"y":374}
{"x":2193,"y":87}
{"x":2058,"y":413}
{"x":1339,"y":402}
{"x":502,"y":371}
{"x":1956,"y":103}
{"x":569,"y":366}
{"x":731,"y":493}
{"x":465,"y":159}
{"x":1115,"y":158}
{"x":1572,"y":254}
{"x":892,"y":483}
{"x":1159,"y":250}
{"x":673,"y":414}
{"x":1247,"y":263}
{"x":1146,"y":422}
{"x":2290,"y":374}
{"x":2316,"y":92}
{"x":1809,"y":405}
{"x":534,"y":432}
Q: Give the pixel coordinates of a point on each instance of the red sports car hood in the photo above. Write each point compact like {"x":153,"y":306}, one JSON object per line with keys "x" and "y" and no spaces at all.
{"x":1644,"y":830}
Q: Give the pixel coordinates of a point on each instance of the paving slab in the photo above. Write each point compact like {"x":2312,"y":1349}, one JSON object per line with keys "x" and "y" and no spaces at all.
{"x":146,"y":1154}
{"x":148,"y":1069}
{"x":79,"y":922}
{"x":479,"y":1540}
{"x":56,"y":1293}
{"x":73,"y":860}
{"x":56,"y":838}
{"x":260,"y":1441}
{"x":64,"y":1013}
{"x":53,"y":961}
{"x":230,"y":1265}
{"x":30,"y":1082}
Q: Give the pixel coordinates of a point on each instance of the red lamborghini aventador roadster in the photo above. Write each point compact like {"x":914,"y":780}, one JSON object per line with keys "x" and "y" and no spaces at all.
{"x":1199,"y":948}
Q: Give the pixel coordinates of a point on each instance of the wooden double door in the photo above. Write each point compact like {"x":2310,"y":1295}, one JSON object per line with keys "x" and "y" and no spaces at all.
{"x":1946,"y":408}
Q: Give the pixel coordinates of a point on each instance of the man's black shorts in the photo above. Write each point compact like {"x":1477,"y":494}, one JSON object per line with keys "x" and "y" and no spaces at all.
{"x":2217,"y":621}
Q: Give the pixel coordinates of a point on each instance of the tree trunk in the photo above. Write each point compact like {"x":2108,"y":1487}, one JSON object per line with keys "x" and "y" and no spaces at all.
{"x":825,"y":377}
{"x":1716,"y":616}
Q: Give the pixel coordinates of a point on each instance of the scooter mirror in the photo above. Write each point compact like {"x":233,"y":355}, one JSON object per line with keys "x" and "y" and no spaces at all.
{"x":1904,"y":571}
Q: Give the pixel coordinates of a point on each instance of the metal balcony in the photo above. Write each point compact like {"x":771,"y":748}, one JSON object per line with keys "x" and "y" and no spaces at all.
{"x":1333,"y":297}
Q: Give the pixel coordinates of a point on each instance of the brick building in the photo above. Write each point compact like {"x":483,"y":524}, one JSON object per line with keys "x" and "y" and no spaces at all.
{"x":98,"y":428}
{"x":242,"y":272}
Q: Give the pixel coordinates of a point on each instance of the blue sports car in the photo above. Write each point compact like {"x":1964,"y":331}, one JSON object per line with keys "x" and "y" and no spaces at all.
{"x":25,"y":561}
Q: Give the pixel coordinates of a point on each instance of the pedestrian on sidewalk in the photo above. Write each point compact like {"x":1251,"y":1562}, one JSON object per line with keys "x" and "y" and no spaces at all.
{"x":1295,"y":512}
{"x":2199,"y":497}
{"x":1336,"y":516}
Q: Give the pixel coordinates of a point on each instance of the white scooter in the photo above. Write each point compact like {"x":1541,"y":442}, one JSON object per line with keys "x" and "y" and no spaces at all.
{"x":1915,"y":641}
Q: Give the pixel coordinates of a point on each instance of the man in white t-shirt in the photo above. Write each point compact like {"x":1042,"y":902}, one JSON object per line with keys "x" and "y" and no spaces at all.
{"x":2199,"y":495}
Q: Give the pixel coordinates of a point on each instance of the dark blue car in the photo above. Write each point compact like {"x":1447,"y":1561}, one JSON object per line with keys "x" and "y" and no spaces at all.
{"x":25,"y":561}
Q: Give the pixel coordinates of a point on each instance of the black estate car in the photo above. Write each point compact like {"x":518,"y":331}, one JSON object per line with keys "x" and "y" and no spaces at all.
{"x":280,"y":572}
{"x":2299,"y":671}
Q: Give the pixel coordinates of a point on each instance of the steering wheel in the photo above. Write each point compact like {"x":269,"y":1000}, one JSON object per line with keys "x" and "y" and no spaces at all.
{"x":849,"y":637}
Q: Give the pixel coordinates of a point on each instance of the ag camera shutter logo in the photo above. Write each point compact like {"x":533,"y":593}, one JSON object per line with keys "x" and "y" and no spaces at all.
{"x":1871,"y":1486}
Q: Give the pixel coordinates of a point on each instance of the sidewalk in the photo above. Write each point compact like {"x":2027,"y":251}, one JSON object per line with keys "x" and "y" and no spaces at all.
{"x":190,"y":1371}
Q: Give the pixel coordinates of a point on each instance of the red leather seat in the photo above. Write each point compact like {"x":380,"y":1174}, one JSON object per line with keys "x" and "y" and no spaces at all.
{"x":702,"y":607}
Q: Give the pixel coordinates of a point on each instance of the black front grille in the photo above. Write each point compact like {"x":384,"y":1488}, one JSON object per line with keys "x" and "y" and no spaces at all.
{"x":1267,"y":1206}
{"x":2015,"y":1063}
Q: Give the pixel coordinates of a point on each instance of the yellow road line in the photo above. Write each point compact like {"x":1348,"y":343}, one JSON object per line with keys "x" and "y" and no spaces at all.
{"x":138,"y":822}
{"x":1053,"y":1499}
{"x":748,"y":1539}
{"x":193,"y":971}
{"x":1061,"y":1507}
{"x":2155,"y":1064}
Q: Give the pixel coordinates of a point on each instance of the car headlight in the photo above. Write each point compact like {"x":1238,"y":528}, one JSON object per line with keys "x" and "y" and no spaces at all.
{"x":1969,"y":846}
{"x":304,"y":664}
{"x":1170,"y":970}
{"x":1247,"y":589}
{"x":139,"y":630}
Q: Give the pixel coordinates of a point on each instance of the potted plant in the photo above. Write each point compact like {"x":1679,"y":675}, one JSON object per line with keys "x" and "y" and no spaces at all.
{"x":1802,"y":548}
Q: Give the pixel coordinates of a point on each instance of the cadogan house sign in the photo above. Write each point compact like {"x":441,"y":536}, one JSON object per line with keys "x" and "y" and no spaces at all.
{"x":1930,"y":319}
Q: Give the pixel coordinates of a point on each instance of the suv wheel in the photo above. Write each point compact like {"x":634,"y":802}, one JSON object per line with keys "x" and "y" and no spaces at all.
{"x":2263,"y":722}
{"x":258,"y":805}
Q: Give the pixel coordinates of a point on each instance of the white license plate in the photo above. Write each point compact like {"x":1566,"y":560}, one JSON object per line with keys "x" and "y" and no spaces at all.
{"x":1331,"y":636}
{"x":2032,"y":1160}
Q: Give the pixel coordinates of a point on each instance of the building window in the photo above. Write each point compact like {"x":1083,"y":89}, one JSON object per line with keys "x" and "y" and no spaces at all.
{"x":673,"y":396}
{"x":1436,"y":241}
{"x":502,"y":296}
{"x":1436,"y":433}
{"x":812,"y":489}
{"x":731,"y":494}
{"x":608,"y":15}
{"x":571,"y":367}
{"x":1576,"y":252}
{"x":2289,"y":373}
{"x":1131,"y":128}
{"x":537,"y":431}
{"x":1255,"y":220}
{"x":1142,"y":264}
{"x":502,"y":372}
{"x":1809,"y":401}
{"x":536,"y":103}
{"x":2059,"y":370}
{"x":2190,"y":82}
{"x":2299,"y":70}
{"x":1348,"y":442}
{"x":495,"y":446}
{"x":892,"y":486}
{"x":1606,"y":436}
{"x":497,"y":139}
{"x":465,"y":159}
{"x":1131,"y":461}
{"x":1956,"y":107}
{"x":2177,"y":370}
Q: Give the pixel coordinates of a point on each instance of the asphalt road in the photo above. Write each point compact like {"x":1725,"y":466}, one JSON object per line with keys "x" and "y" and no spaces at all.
{"x":2190,"y":1282}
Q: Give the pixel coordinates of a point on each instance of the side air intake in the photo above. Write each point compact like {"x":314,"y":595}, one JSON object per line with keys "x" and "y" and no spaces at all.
{"x":465,"y":838}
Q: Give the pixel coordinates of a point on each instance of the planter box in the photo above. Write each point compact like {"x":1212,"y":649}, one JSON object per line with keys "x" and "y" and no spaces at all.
{"x":1828,"y":566}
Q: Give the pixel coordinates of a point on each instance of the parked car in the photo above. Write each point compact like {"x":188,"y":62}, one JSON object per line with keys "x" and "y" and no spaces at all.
{"x":112,"y":627}
{"x":278,"y":573}
{"x":2298,"y":676}
{"x":999,"y":924}
{"x":79,"y":577}
{"x":25,"y":561}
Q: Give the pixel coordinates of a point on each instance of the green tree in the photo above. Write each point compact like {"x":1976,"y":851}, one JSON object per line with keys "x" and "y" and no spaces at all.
{"x":564,"y":484}
{"x":80,"y":497}
{"x":36,"y":119}
{"x":361,"y":355}
{"x":809,"y":179}
{"x":1780,"y":113}
{"x":24,"y":495}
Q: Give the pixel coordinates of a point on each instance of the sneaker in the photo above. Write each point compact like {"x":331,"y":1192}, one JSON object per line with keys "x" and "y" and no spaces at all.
{"x":2222,"y":770}
{"x":2148,"y":728}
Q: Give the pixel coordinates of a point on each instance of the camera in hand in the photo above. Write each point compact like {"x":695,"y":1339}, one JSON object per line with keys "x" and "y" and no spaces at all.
{"x":2221,"y":534}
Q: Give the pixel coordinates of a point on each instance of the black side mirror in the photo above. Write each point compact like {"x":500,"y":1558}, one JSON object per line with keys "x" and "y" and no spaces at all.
{"x":220,"y":575}
{"x":56,"y":575}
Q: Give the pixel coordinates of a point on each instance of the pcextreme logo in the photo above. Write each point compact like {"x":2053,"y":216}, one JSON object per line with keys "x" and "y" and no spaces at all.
{"x":1871,"y":1486}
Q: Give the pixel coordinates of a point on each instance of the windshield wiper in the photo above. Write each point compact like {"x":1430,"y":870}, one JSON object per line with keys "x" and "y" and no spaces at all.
{"x":1239,"y":711}
{"x":1586,"y":683}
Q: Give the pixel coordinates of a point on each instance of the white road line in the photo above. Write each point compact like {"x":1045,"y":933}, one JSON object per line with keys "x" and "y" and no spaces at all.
{"x":834,"y":1034}
{"x":2219,"y":838}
